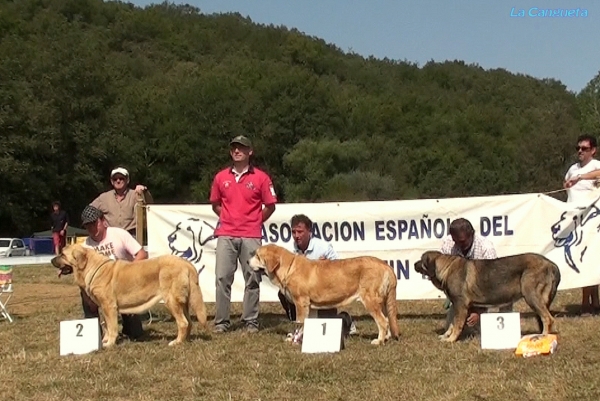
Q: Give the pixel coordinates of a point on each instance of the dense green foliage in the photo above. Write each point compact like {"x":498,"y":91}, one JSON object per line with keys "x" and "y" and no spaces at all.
{"x":86,"y":85}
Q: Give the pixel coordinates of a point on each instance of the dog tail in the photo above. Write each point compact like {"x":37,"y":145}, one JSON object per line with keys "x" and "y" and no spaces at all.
{"x":392,"y":307}
{"x":196,"y":302}
{"x":555,"y":283}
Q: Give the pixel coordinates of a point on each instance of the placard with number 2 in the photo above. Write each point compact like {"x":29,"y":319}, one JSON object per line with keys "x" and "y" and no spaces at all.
{"x":80,"y":336}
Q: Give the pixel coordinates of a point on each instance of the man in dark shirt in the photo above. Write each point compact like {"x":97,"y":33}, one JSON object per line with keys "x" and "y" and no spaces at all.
{"x":60,"y":222}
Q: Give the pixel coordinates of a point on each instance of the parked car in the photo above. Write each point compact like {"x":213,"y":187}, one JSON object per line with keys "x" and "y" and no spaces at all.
{"x":12,"y":247}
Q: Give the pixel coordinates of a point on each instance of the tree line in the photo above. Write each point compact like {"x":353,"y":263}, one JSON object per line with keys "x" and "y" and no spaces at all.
{"x":87,"y":85}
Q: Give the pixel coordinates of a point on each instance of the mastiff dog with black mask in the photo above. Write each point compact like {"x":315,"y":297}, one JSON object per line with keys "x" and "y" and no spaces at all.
{"x":492,"y":282}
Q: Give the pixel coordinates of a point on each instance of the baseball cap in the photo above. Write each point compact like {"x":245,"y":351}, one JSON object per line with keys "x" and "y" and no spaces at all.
{"x":242,"y":140}
{"x":119,"y":170}
{"x":90,"y":215}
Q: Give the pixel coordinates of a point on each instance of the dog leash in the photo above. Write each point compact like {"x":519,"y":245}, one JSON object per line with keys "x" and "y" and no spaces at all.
{"x":553,"y":192}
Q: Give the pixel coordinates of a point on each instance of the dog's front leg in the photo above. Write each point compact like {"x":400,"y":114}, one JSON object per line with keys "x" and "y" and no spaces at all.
{"x":302,"y":311}
{"x":449,"y":322}
{"x":446,"y":334}
{"x":102,"y":318}
{"x":112,"y":326}
{"x":460,"y":316}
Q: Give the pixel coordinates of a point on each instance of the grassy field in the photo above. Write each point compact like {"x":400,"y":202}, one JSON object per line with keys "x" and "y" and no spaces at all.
{"x":240,"y":366}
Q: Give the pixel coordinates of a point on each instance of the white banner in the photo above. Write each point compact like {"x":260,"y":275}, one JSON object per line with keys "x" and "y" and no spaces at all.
{"x":398,"y":232}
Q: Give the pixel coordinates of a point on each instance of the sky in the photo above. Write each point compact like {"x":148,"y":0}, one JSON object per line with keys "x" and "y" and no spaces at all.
{"x":482,"y":32}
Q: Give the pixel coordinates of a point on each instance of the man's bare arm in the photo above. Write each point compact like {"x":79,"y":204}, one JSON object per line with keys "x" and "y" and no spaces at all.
{"x":142,"y":254}
{"x":267,"y":212}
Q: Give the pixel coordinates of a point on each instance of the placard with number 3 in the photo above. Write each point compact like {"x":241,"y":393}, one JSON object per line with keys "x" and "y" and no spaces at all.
{"x":500,"y":330}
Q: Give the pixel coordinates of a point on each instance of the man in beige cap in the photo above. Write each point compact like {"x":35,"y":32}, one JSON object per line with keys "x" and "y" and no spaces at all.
{"x":118,"y":204}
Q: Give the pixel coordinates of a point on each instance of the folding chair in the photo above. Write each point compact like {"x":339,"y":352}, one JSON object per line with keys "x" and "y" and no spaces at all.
{"x":6,"y":291}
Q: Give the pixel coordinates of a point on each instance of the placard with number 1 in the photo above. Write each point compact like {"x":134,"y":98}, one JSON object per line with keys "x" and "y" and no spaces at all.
{"x":322,"y":335}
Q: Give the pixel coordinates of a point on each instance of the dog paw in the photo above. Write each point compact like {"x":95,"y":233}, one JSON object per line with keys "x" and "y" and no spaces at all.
{"x":174,"y":342}
{"x":376,"y":342}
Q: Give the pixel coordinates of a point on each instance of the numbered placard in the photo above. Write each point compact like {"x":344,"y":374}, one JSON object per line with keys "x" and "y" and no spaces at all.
{"x":500,"y":330}
{"x":322,"y":335}
{"x":80,"y":336}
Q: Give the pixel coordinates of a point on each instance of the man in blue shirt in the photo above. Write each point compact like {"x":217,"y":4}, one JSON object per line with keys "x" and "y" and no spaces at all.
{"x":312,"y":248}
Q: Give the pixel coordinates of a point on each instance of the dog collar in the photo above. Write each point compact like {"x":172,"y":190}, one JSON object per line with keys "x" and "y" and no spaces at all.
{"x":284,"y":280}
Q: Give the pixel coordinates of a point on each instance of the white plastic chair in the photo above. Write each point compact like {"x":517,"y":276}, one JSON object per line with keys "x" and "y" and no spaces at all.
{"x":6,"y":291}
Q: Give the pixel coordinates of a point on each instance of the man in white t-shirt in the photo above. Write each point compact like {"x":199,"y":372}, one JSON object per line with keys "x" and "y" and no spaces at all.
{"x":582,"y":192}
{"x":115,"y":243}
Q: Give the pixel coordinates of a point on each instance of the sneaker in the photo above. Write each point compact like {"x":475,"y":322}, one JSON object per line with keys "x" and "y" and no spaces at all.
{"x":219,"y":329}
{"x":297,"y":337}
{"x":146,"y":317}
{"x":353,"y":330}
{"x":250,"y":328}
{"x":348,"y":326}
{"x":294,"y":337}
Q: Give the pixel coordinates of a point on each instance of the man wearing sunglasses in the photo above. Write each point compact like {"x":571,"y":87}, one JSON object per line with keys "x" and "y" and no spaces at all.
{"x":582,"y":193}
{"x":118,"y":203}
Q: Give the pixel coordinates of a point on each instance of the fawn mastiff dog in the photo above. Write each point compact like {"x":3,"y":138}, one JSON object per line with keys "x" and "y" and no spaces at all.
{"x":120,"y":286}
{"x":324,"y":284}
{"x":492,"y":282}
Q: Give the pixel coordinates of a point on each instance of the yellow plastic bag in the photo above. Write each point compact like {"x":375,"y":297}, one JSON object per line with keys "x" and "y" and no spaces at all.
{"x":536,"y":344}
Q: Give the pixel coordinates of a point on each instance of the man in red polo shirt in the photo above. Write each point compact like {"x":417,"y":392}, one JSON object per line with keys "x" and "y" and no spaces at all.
{"x":238,"y":195}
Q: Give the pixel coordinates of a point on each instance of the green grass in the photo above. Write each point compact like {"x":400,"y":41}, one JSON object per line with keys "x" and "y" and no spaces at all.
{"x":240,"y":366}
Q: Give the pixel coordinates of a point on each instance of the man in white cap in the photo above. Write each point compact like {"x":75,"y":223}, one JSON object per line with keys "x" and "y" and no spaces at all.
{"x":118,"y":204}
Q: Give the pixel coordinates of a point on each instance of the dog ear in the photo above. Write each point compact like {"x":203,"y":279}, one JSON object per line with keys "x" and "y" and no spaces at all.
{"x":425,"y":259}
{"x":285,"y":258}
{"x":429,"y":259}
{"x":79,"y":253}
{"x":274,"y":265}
{"x":269,"y":258}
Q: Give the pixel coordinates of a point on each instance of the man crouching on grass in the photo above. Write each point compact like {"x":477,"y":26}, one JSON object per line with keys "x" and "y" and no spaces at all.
{"x":115,"y":243}
{"x":465,"y":242}
{"x":312,"y":248}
